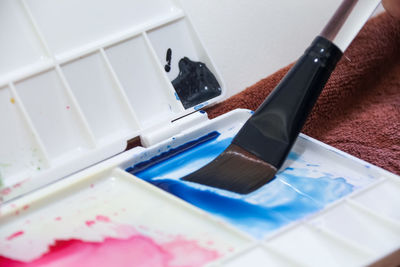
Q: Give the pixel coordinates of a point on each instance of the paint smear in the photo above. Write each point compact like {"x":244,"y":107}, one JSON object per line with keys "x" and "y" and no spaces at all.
{"x":195,"y":83}
{"x":15,"y":235}
{"x":137,"y":250}
{"x":294,"y":194}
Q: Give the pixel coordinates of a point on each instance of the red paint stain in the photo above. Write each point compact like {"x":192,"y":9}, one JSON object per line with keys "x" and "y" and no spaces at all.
{"x":136,"y":250}
{"x":90,"y":223}
{"x":102,"y":218}
{"x":25,"y":207}
{"x":57,"y":218}
{"x":67,"y":107}
{"x":14,"y":235}
{"x":5,"y":191}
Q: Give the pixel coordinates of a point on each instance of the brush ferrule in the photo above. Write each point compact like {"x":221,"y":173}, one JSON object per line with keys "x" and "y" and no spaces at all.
{"x":272,"y":130}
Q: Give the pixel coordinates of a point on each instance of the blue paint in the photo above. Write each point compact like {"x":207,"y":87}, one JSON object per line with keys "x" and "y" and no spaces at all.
{"x":289,"y":197}
{"x":177,"y":97}
{"x":200,"y":106}
{"x":163,"y":157}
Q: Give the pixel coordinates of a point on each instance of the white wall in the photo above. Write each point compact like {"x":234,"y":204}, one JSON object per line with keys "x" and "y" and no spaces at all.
{"x":251,"y":39}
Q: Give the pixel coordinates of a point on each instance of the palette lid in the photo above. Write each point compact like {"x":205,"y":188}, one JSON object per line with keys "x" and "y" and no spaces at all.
{"x":78,"y":79}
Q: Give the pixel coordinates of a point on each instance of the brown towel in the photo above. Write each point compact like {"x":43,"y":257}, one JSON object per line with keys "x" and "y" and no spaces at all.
{"x":359,"y":109}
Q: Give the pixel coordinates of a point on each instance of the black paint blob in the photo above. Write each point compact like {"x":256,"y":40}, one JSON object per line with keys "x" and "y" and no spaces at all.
{"x":195,"y":83}
{"x":167,"y":67}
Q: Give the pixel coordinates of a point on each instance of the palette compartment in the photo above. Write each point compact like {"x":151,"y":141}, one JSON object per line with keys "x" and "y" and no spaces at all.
{"x":28,"y":154}
{"x":384,"y":199}
{"x":94,"y":22}
{"x":21,"y":48}
{"x":177,"y":53}
{"x":50,"y":106}
{"x":370,"y":231}
{"x":150,"y":95}
{"x":99,"y":98}
{"x":311,"y":247}
{"x":106,"y":202}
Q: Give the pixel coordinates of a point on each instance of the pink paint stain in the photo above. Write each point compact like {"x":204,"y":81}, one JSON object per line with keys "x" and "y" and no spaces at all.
{"x":25,"y":207}
{"x":14,"y":235}
{"x":57,"y":218}
{"x":137,"y":250}
{"x":90,"y":223}
{"x":5,"y":191}
{"x":67,"y":107}
{"x":102,"y":218}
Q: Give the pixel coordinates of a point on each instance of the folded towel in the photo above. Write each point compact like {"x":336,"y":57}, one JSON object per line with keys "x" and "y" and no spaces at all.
{"x":359,"y":110}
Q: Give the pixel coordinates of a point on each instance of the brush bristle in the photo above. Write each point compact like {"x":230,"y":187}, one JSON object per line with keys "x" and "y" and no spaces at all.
{"x":235,"y":170}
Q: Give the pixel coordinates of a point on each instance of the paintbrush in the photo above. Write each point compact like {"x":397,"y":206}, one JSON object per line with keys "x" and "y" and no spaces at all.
{"x":263,"y":143}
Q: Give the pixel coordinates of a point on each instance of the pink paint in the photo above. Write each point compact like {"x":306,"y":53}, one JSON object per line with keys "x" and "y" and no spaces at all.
{"x":90,"y":223}
{"x":14,"y":235}
{"x":91,"y":185}
{"x":102,"y":218}
{"x":57,"y":218}
{"x":5,"y":191}
{"x":68,"y":107}
{"x":137,"y":250}
{"x":25,"y":207}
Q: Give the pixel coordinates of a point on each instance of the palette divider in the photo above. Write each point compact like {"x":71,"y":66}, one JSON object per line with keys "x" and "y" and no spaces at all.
{"x":36,"y":28}
{"x":87,"y":130}
{"x":330,"y":237}
{"x":230,"y":257}
{"x":393,"y":178}
{"x":340,"y":238}
{"x":120,"y":90}
{"x":292,"y":261}
{"x":36,"y":137}
{"x":168,"y":84}
{"x":382,"y":217}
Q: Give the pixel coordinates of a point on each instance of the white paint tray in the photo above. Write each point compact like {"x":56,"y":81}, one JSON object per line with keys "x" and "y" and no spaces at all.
{"x":80,"y":81}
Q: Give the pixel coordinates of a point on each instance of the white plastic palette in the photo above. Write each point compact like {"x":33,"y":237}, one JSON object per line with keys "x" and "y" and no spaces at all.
{"x":79,"y":79}
{"x":350,"y":232}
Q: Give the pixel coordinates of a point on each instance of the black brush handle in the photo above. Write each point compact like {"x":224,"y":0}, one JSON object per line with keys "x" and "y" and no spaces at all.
{"x":273,"y":128}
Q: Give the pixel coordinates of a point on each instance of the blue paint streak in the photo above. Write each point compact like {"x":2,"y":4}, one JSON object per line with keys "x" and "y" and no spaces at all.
{"x":289,"y":197}
{"x":200,"y":106}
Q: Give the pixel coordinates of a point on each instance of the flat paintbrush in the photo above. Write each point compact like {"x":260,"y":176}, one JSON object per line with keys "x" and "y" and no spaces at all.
{"x":263,"y":143}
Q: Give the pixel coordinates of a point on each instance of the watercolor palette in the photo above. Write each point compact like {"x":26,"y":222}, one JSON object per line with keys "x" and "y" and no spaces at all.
{"x":84,"y":90}
{"x":319,"y":207}
{"x":84,"y":87}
